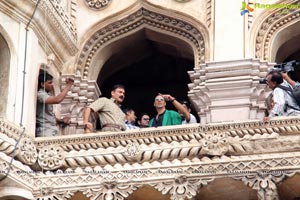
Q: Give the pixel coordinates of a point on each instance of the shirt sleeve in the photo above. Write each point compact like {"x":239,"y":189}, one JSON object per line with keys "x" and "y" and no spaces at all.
{"x":97,"y":105}
{"x":279,"y":103}
{"x":42,"y":96}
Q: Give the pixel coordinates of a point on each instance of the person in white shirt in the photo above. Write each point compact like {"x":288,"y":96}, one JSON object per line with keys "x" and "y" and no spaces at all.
{"x":284,"y":103}
{"x":192,"y":119}
{"x":130,"y":119}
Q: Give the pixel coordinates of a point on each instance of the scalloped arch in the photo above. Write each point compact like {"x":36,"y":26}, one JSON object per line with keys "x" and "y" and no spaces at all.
{"x":264,"y":34}
{"x":180,"y":26}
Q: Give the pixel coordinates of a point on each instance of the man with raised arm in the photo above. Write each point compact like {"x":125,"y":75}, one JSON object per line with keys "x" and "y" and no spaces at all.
{"x":46,"y":121}
{"x":166,"y":117}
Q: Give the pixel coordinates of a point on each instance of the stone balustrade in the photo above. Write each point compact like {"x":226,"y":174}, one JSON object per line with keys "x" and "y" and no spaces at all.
{"x":186,"y":157}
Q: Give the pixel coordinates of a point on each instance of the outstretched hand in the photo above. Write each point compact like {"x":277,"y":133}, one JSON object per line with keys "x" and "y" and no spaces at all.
{"x":69,"y":81}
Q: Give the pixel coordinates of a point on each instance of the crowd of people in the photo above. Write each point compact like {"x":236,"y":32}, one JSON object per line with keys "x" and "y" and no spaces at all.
{"x":280,"y":102}
{"x":113,"y":118}
{"x":110,"y":114}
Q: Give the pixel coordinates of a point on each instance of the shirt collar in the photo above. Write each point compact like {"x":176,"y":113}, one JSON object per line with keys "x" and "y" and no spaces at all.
{"x":113,"y":100}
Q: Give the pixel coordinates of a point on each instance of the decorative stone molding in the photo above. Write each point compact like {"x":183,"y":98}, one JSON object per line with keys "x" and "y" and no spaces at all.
{"x":187,"y":173}
{"x":50,"y":17}
{"x":83,"y":93}
{"x":7,"y":145}
{"x":229,"y":86}
{"x":48,"y":194}
{"x":132,"y":150}
{"x":181,"y":1}
{"x":27,"y":152}
{"x":110,"y":191}
{"x":265,"y":182}
{"x":269,"y":27}
{"x":142,"y":18}
{"x":97,"y":4}
{"x":232,"y":146}
{"x":209,"y":10}
{"x":284,"y":126}
{"x":11,"y":130}
{"x":18,"y":172}
{"x":51,"y":157}
{"x":182,"y":187}
{"x":215,"y":143}
{"x":171,"y":153}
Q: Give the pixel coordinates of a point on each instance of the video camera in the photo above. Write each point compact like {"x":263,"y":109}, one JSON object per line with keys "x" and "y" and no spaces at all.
{"x":288,"y":67}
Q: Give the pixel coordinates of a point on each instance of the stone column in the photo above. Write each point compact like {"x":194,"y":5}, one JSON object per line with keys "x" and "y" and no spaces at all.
{"x":83,"y":93}
{"x":229,"y":90}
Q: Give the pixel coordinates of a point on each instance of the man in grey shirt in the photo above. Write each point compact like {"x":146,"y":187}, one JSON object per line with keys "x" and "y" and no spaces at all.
{"x":110,"y":115}
{"x":46,"y":121}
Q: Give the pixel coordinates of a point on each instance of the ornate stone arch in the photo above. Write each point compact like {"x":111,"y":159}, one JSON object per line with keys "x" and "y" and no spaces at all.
{"x":6,"y":70}
{"x":180,"y":26}
{"x":272,"y":24}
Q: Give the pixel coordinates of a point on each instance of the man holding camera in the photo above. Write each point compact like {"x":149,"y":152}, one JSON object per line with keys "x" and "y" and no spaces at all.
{"x":284,"y":103}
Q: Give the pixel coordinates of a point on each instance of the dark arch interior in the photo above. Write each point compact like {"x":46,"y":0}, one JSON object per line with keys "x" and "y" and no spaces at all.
{"x":289,"y":49}
{"x":157,"y":73}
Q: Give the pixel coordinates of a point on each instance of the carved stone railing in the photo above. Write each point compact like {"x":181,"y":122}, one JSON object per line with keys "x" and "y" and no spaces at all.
{"x":112,"y":165}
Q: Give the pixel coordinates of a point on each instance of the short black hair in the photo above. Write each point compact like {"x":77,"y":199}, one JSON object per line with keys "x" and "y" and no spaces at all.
{"x":141,"y":115}
{"x":276,"y":77}
{"x":43,"y":77}
{"x":126,"y":110}
{"x":117,"y":86}
{"x":188,"y":105}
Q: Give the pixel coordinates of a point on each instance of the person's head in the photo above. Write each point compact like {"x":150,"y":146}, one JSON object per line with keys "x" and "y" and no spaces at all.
{"x":118,"y":93}
{"x":274,"y":78}
{"x":159,"y":102}
{"x":45,"y":81}
{"x":143,"y":120}
{"x":186,"y":105}
{"x":130,"y":115}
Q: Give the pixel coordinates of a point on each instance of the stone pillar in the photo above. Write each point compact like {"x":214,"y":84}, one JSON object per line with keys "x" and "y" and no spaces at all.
{"x":229,"y":90}
{"x":83,"y":93}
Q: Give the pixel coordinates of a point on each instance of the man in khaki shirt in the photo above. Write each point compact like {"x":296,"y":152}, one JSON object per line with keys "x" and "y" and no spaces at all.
{"x":110,"y":115}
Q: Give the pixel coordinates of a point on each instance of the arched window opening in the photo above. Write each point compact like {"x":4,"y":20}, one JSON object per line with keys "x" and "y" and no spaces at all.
{"x":161,"y":70}
{"x":4,"y":74}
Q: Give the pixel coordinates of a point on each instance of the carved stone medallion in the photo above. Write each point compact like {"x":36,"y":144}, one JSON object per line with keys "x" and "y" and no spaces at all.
{"x":98,"y":4}
{"x":215,"y":143}
{"x":27,"y":152}
{"x":51,"y":157}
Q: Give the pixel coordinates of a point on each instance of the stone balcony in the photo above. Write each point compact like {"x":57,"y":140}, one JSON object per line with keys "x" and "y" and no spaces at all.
{"x":234,"y":160}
